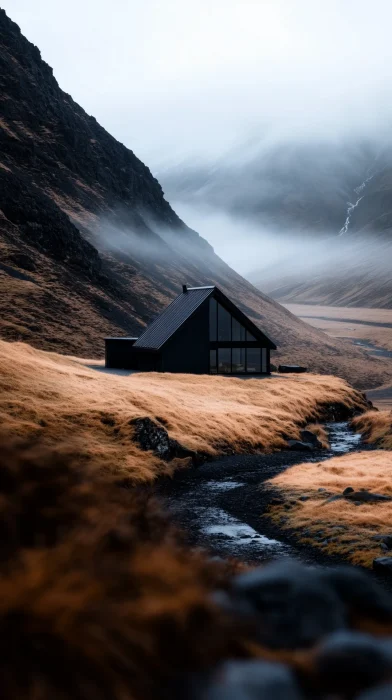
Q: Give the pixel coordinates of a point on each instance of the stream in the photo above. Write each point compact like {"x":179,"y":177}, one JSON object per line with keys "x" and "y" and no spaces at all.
{"x":219,"y":504}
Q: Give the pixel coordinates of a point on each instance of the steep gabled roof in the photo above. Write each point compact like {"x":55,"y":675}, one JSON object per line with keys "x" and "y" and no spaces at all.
{"x":172,"y":318}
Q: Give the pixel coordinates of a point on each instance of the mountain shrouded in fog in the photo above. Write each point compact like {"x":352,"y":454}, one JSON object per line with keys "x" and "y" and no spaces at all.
{"x":262,"y":120}
{"x":316,"y":215}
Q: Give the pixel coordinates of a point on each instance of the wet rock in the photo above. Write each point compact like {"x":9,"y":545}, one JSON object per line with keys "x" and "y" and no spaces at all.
{"x":251,"y":680}
{"x":384,"y":546}
{"x":299,"y":446}
{"x":348,"y":662}
{"x":383,"y":565}
{"x":294,"y":606}
{"x":331,"y":499}
{"x":359,"y":592}
{"x":304,"y":498}
{"x":309,"y":437}
{"x":154,"y":437}
{"x":387,"y":540}
{"x":367,"y":497}
{"x":348,"y":490}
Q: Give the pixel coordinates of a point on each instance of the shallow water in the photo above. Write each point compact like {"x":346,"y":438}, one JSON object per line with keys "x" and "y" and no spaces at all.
{"x":198,"y":508}
{"x":373,"y":349}
{"x":342,"y":439}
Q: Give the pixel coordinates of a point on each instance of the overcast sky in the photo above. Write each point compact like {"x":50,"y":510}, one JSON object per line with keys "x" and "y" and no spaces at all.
{"x":171,"y":78}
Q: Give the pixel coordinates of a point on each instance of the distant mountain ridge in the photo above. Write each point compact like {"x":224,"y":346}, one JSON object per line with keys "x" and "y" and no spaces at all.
{"x":89,"y":246}
{"x":333,"y":191}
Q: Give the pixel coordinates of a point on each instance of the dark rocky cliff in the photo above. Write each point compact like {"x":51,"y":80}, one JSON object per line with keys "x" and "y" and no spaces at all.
{"x":90,"y":247}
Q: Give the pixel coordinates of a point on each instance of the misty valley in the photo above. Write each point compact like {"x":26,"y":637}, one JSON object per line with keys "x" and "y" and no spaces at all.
{"x":195,"y":350}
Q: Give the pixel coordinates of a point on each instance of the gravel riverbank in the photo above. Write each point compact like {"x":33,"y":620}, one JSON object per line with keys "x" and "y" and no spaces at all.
{"x":219,"y":505}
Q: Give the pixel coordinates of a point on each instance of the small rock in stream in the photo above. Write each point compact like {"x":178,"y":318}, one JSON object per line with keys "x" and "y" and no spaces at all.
{"x":299,"y":446}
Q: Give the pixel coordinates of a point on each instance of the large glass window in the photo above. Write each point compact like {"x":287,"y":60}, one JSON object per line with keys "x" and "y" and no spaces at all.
{"x":253,"y":360}
{"x":213,"y":365}
{"x":224,"y":360}
{"x":224,"y":324}
{"x":238,"y":360}
{"x":213,"y":318}
{"x":250,"y":337}
{"x":238,"y":331}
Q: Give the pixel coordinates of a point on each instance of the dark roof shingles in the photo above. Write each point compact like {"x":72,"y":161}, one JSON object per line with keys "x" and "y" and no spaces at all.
{"x":170,"y":320}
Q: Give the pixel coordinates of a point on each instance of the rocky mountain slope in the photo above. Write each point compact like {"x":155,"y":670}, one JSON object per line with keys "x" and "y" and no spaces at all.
{"x":337,"y":194}
{"x":89,"y":246}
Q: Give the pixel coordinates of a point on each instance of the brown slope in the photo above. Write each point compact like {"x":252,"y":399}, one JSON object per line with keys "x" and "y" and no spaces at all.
{"x":63,"y":180}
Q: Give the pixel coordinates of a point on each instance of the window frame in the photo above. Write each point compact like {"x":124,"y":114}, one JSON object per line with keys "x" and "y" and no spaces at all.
{"x":248,"y":343}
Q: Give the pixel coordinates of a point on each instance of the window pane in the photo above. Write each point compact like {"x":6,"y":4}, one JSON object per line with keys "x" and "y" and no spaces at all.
{"x":253,"y":357}
{"x":238,"y":331}
{"x":249,"y":336}
{"x":213,"y":367}
{"x":224,"y":324}
{"x":264,"y":367}
{"x":238,"y":360}
{"x":213,"y":318}
{"x":224,"y":360}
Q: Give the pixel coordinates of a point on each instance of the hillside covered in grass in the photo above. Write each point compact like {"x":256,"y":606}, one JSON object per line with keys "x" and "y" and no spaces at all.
{"x":61,"y":399}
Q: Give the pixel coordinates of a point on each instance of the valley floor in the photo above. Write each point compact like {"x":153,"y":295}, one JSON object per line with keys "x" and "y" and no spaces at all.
{"x":369,"y":329}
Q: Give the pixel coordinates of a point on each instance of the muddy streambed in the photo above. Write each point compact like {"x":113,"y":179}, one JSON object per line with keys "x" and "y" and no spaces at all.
{"x":219,"y":504}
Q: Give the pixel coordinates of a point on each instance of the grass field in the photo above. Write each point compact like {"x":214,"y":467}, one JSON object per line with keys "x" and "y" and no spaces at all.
{"x":62,"y":399}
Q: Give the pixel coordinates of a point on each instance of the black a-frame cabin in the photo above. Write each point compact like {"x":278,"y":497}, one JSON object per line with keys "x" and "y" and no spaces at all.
{"x":200,"y":332}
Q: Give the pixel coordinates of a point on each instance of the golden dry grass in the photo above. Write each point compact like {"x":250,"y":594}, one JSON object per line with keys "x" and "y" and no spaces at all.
{"x":61,"y":398}
{"x":376,"y":428}
{"x":99,"y":597}
{"x":348,"y":529}
{"x":320,"y":432}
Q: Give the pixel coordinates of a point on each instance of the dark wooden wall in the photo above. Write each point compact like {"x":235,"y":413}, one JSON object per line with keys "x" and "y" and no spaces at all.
{"x":188,"y":350}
